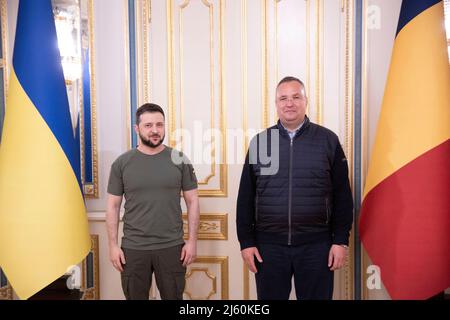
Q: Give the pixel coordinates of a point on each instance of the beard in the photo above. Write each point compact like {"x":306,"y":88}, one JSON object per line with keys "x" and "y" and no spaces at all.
{"x":149,"y":143}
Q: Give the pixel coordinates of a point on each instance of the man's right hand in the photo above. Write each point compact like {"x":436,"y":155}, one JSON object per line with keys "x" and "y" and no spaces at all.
{"x":249,"y":254}
{"x":117,"y":258}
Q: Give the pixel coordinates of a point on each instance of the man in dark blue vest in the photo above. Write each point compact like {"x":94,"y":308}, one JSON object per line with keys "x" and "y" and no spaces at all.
{"x":295,"y":206}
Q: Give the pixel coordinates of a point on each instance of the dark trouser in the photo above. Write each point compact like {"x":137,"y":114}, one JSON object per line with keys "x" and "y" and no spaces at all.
{"x":139,"y":268}
{"x":308,"y":264}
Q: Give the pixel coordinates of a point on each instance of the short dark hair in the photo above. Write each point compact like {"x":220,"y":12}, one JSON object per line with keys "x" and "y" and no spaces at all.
{"x":290,"y":79}
{"x":148,"y":107}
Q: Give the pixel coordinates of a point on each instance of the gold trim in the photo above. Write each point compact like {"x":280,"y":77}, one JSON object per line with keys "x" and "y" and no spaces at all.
{"x":209,"y":222}
{"x":319,"y":62}
{"x":6,"y":293}
{"x":93,"y":100}
{"x":90,"y":189}
{"x":277,"y":67}
{"x":82,"y":137}
{"x":94,"y":292}
{"x":210,"y":6}
{"x":222,"y":191}
{"x":276,"y":52}
{"x":170,"y":73}
{"x":364,"y":141}
{"x":182,"y":6}
{"x":149,"y":9}
{"x":138,"y":11}
{"x":224,"y":276}
{"x":244,"y":71}
{"x":222,"y":107}
{"x":210,"y":276}
{"x":127,"y":57}
{"x":145,"y":27}
{"x":142,"y":13}
{"x":348,"y":97}
{"x":4,"y":22}
{"x":349,"y":125}
{"x":365,"y":106}
{"x":308,"y":51}
{"x":265,"y":66}
{"x":246,"y":281}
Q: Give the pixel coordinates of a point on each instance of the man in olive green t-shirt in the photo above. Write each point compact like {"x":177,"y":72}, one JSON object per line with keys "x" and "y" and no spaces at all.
{"x":151,"y":178}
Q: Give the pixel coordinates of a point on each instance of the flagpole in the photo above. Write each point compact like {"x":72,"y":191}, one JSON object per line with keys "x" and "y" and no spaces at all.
{"x":357,"y":168}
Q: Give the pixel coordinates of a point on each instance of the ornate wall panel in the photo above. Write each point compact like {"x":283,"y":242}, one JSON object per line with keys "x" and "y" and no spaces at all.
{"x":213,"y":66}
{"x":5,"y":288}
{"x":213,"y":226}
{"x":195,"y":89}
{"x":75,"y":21}
{"x":185,"y":76}
{"x":90,"y":282}
{"x":207,"y":279}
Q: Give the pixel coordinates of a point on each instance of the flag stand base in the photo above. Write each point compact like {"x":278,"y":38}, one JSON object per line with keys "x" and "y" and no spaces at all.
{"x":58,"y":290}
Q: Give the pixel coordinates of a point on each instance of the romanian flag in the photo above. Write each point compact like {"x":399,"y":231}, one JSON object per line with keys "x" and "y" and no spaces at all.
{"x":405,"y":215}
{"x":43,"y":223}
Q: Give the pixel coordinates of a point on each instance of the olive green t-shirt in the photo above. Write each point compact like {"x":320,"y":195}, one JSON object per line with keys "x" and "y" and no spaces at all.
{"x":151,"y":186}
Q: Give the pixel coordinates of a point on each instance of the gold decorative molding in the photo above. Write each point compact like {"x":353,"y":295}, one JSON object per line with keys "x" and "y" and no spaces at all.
{"x":244,"y":71}
{"x":170,"y":73}
{"x":210,"y":7}
{"x":246,"y":281}
{"x":222,"y":190}
{"x":349,"y":125}
{"x":211,"y":277}
{"x":4,"y":24}
{"x":126,"y":53}
{"x":276,"y":76}
{"x":364,"y":138}
{"x":308,"y":51}
{"x":319,"y":61}
{"x":142,"y":27}
{"x":93,"y":100}
{"x":348,"y":96}
{"x":265,"y":64}
{"x":92,"y":292}
{"x":6,"y":293}
{"x":145,"y":26}
{"x":90,"y":189}
{"x":224,"y":275}
{"x":212,"y":226}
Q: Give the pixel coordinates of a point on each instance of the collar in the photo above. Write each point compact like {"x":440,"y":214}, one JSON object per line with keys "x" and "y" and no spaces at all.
{"x":294,"y":133}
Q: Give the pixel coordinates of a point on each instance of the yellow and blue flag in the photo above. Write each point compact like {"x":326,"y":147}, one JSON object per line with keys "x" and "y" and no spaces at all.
{"x":405,"y":215}
{"x":43,"y":223}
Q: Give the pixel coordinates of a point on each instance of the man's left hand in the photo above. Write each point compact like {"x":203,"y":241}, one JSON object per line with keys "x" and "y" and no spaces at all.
{"x":189,"y":252}
{"x":337,"y":257}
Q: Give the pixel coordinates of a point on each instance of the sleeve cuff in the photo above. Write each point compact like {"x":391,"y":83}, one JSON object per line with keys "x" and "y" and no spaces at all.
{"x":340,"y":239}
{"x":247,"y":244}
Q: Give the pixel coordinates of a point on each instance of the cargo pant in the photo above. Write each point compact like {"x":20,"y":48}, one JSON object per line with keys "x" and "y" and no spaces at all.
{"x":140,"y":265}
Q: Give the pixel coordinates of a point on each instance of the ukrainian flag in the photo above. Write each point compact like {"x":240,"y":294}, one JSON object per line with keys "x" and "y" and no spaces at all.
{"x":405,"y":215}
{"x":43,"y":223}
